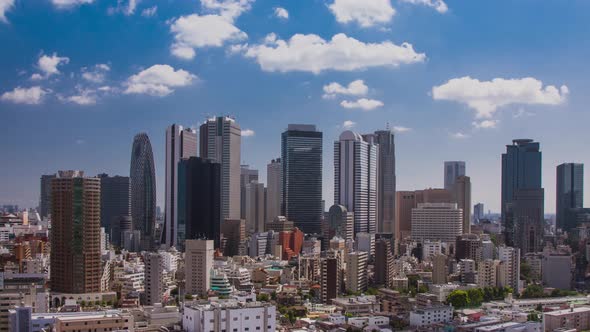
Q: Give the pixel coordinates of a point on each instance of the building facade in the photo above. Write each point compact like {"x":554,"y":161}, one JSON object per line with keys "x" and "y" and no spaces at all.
{"x":570,"y":193}
{"x":453,"y":170}
{"x":274,"y":189}
{"x":142,"y":178}
{"x":386,"y":180}
{"x":197,"y":266}
{"x":437,"y":221}
{"x":115,"y":199}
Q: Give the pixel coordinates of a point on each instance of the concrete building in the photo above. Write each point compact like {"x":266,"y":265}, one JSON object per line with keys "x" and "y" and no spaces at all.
{"x":274,"y":189}
{"x":23,"y":320}
{"x":255,"y":207}
{"x":331,"y":276}
{"x":439,"y":269}
{"x":355,"y":179}
{"x":356,"y":271}
{"x":557,"y":269}
{"x":280,"y":224}
{"x":574,"y":319}
{"x":220,"y":141}
{"x":487,"y":273}
{"x":153,"y":278}
{"x":339,"y":222}
{"x":453,"y":170}
{"x":233,"y":237}
{"x":247,"y":175}
{"x":75,"y":233}
{"x":436,"y":221}
{"x":384,"y":271}
{"x":468,"y":246}
{"x":142,"y":178}
{"x":509,"y":268}
{"x":357,"y":306}
{"x":468,"y":271}
{"x":197,"y":266}
{"x":462,"y":195}
{"x":229,"y":316}
{"x":366,"y":242}
{"x":431,"y":315}
{"x":408,"y":200}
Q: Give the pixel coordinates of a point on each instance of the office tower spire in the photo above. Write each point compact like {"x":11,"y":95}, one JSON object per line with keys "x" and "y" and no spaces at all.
{"x":355,"y":179}
{"x":220,"y":141}
{"x":142,"y":178}
{"x":181,"y":144}
{"x":301,"y":155}
{"x":570,"y":192}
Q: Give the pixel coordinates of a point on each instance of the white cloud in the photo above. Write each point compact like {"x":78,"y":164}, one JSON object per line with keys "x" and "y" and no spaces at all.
{"x":70,"y":3}
{"x":84,"y":97}
{"x":32,"y":96}
{"x":80,"y":141}
{"x":96,"y":75}
{"x":366,"y":13}
{"x":281,"y":13}
{"x":354,"y":88}
{"x":248,"y":133}
{"x":485,"y":124}
{"x":459,"y":135}
{"x":48,"y":66}
{"x":158,"y":80}
{"x":313,"y":54}
{"x":348,"y":124}
{"x":400,"y":129}
{"x":438,"y":5}
{"x":149,"y":12}
{"x":521,"y":113}
{"x":194,"y":31}
{"x":485,"y":97}
{"x":5,"y":5}
{"x":363,"y":103}
{"x":229,"y":9}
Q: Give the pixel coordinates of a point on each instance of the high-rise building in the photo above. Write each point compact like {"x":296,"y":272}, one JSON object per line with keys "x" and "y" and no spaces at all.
{"x":142,"y":178}
{"x":119,"y":226}
{"x":115,"y":199}
{"x":153,"y":278}
{"x":255,"y":206}
{"x":199,"y":203}
{"x":384,"y":268}
{"x":468,"y":246}
{"x":181,"y":144}
{"x":386,"y":180}
{"x":509,"y":268}
{"x":247,"y":175}
{"x":75,"y":233}
{"x":408,"y":200}
{"x":340,"y":223}
{"x":221,"y":142}
{"x":356,"y":271}
{"x":527,"y":210}
{"x":437,"y":221}
{"x":487,"y":273}
{"x":453,"y":170}
{"x":462,"y":195}
{"x":440,"y":269}
{"x":233,"y":237}
{"x":45,"y":197}
{"x":521,"y":169}
{"x":355,"y":179}
{"x":331,"y":281}
{"x":570,"y":192}
{"x":274,"y":189}
{"x":197,"y":266}
{"x":478,"y":212}
{"x":301,"y":156}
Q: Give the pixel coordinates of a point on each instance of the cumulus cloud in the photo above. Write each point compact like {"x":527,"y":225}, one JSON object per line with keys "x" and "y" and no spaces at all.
{"x":354,"y":88}
{"x":127,"y":7}
{"x":485,"y":97}
{"x":281,"y":13}
{"x":48,"y":66}
{"x":363,"y":104}
{"x":96,"y":74}
{"x":5,"y":5}
{"x":83,"y":97}
{"x":401,"y":129}
{"x":70,"y":3}
{"x":229,"y":9}
{"x":348,"y":124}
{"x":366,"y":13}
{"x":149,"y":12}
{"x":248,"y":133}
{"x":438,"y":5}
{"x":158,"y":80}
{"x":311,"y":53}
{"x":485,"y":124}
{"x":195,"y":31}
{"x":31,"y":96}
{"x":459,"y":135}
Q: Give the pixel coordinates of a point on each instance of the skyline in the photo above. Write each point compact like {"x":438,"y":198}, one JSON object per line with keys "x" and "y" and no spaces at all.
{"x":99,"y":136}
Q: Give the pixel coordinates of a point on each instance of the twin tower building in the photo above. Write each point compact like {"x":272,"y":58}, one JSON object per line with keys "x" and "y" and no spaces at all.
{"x":203,"y":189}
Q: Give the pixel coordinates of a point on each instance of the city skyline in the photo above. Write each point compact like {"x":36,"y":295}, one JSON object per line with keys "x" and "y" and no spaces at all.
{"x":441,"y":129}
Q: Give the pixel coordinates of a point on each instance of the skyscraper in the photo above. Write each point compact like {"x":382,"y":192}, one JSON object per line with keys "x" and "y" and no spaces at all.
{"x":386,"y":180}
{"x":570,"y":192}
{"x":355,"y":179}
{"x":339,"y":223}
{"x":301,"y":155}
{"x":220,"y":141}
{"x":527,"y":211}
{"x":478,"y":212}
{"x":142,"y":177}
{"x":384,"y":265}
{"x":521,"y":169}
{"x":274,"y":189}
{"x":180,"y":144}
{"x":462,"y":195}
{"x":199,"y":208}
{"x":153,"y":278}
{"x":255,"y":207}
{"x":75,"y":233}
{"x":197,"y":267}
{"x":453,"y":169}
{"x":247,"y":175}
{"x":115,"y":199}
{"x":45,"y":197}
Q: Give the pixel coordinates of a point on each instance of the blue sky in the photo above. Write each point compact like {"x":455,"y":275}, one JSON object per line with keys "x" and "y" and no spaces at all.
{"x":80,"y":78}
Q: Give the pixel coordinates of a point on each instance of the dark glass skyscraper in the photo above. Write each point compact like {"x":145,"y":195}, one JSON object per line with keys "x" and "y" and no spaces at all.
{"x":570,"y":192}
{"x":301,"y":153}
{"x":521,"y":169}
{"x":45,"y":197}
{"x":199,"y":200}
{"x":142,"y":177}
{"x":114,"y":199}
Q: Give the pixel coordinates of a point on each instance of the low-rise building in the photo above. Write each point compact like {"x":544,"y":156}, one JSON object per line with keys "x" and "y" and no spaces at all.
{"x":431,"y":315}
{"x":365,"y":304}
{"x":574,"y":318}
{"x":229,"y":316}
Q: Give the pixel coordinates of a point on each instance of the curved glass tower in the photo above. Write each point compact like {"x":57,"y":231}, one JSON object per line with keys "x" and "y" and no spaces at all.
{"x":143,"y":189}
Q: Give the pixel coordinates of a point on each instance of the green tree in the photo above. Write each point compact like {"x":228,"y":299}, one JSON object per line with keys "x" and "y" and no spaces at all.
{"x":533,"y":291}
{"x":188,"y":297}
{"x":526,"y":272}
{"x":458,"y":299}
{"x":475,"y":296}
{"x":263,"y":297}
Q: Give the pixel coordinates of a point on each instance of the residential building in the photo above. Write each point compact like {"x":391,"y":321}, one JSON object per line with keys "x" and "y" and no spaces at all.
{"x":331,"y":276}
{"x":573,"y":319}
{"x":439,"y":269}
{"x":356,"y":271}
{"x":233,"y":237}
{"x":384,"y":271}
{"x":229,"y":316}
{"x":153,"y":278}
{"x":487,"y":273}
{"x":431,"y":315}
{"x":197,"y":266}
{"x":509,"y":268}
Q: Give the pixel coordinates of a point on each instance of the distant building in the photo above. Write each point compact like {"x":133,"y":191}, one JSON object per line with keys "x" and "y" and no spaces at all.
{"x":274,"y":191}
{"x":45,"y":197}
{"x":468,"y":246}
{"x":437,"y":221}
{"x":431,"y":316}
{"x":527,"y":212}
{"x":356,"y":271}
{"x":408,"y":200}
{"x":255,"y":206}
{"x":291,"y":243}
{"x":331,"y":272}
{"x":462,"y":195}
{"x":153,"y":278}
{"x":339,"y":222}
{"x":280,"y":224}
{"x":233,"y":237}
{"x":197,"y":266}
{"x":247,"y":175}
{"x":478,"y":212}
{"x":570,"y":193}
{"x":142,"y":178}
{"x":453,"y":170}
{"x":557,"y":269}
{"x":115,"y":199}
{"x":487,"y":273}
